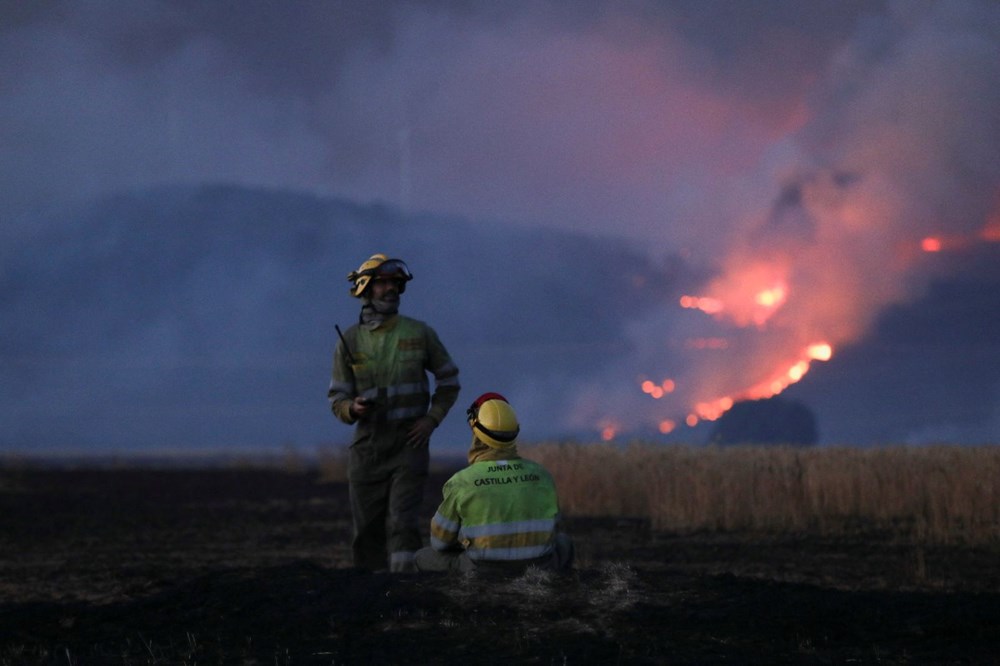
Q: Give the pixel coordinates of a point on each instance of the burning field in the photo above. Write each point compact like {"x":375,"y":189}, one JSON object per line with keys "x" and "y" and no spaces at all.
{"x":783,"y":302}
{"x":250,"y":565}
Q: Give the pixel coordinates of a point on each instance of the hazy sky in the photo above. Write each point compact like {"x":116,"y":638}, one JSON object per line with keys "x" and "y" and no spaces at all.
{"x":622,"y":117}
{"x":800,"y":153}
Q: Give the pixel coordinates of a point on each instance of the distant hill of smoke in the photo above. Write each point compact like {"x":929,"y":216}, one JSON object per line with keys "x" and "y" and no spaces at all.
{"x":772,"y":421}
{"x":205,"y":316}
{"x":202,"y":318}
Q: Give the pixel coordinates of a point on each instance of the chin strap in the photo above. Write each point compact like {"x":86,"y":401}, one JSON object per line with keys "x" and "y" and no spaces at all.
{"x":505,"y":436}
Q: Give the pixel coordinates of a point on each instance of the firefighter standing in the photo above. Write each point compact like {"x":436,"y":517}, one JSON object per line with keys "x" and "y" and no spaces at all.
{"x":500,"y":513}
{"x":380,"y":383}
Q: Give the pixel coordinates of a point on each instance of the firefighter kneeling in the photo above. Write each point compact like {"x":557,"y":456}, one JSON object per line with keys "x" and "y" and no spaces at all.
{"x":501,"y":512}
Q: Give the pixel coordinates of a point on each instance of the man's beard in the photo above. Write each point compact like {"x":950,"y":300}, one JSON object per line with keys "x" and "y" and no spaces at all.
{"x":376,"y":311}
{"x":385,"y":306}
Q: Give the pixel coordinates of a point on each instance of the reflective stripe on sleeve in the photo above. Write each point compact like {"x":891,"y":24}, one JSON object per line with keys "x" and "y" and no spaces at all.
{"x":407,"y":389}
{"x":444,"y":531}
{"x":448,"y":381}
{"x":519,"y":527}
{"x":517,"y":553}
{"x":444,"y":523}
{"x":446,"y":372}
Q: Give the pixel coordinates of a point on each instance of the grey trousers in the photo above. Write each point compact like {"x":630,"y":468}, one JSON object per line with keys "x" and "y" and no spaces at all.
{"x":561,"y":559}
{"x":386,"y":495}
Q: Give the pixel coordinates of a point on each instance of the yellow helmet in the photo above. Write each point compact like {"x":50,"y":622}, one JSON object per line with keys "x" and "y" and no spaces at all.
{"x":378,"y":265}
{"x":493,"y":421}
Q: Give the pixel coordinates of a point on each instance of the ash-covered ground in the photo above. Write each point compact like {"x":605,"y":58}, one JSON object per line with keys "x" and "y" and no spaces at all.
{"x":251,"y":566}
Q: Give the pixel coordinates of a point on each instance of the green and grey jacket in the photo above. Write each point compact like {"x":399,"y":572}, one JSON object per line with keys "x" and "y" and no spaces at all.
{"x":498,"y":510}
{"x":390,"y":366}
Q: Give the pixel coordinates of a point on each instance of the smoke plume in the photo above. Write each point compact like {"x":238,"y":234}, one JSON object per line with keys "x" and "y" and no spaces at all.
{"x":782,"y":174}
{"x":897,"y":148}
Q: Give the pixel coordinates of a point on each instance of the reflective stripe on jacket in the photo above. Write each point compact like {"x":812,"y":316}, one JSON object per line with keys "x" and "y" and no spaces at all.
{"x":390,"y":366}
{"x":498,"y":510}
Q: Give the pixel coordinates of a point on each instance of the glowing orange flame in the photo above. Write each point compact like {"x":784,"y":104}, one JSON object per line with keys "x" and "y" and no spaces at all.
{"x":652,"y":389}
{"x":710,"y":411}
{"x":713,"y":409}
{"x":989,"y":233}
{"x":771,"y":298}
{"x":750,"y":292}
{"x":705,"y":304}
{"x":798,"y":371}
{"x":820,"y":351}
{"x":657,"y":391}
{"x":754,"y":285}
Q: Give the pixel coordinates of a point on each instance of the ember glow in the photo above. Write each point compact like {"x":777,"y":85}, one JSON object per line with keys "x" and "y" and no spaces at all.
{"x":775,"y":383}
{"x":888,"y":171}
{"x":771,"y":298}
{"x":776,"y":309}
{"x":988,"y":233}
{"x":820,"y":351}
{"x":751,"y":298}
{"x":657,"y":391}
{"x":749,"y":295}
{"x":706,"y":305}
{"x":764,"y":306}
{"x":667,"y":426}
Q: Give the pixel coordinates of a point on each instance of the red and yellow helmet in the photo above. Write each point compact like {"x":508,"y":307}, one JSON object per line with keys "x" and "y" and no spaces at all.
{"x":493,"y":421}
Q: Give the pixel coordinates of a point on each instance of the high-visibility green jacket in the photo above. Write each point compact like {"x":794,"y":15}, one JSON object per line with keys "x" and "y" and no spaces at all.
{"x":389,"y":365}
{"x":498,"y":510}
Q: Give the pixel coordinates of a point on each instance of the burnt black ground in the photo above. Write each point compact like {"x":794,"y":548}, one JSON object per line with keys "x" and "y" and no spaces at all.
{"x":251,"y":566}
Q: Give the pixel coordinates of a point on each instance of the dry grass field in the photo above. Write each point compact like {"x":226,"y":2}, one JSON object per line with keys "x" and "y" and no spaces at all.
{"x":684,"y":556}
{"x":939,"y":494}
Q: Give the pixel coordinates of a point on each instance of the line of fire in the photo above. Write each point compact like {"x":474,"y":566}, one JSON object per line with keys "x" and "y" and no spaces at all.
{"x":749,"y":298}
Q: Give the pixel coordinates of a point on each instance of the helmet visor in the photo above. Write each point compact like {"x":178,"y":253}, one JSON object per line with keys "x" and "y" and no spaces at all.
{"x":392,"y":268}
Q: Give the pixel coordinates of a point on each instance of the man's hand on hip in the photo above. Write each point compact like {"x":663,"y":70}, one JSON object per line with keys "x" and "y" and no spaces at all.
{"x":420,"y":433}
